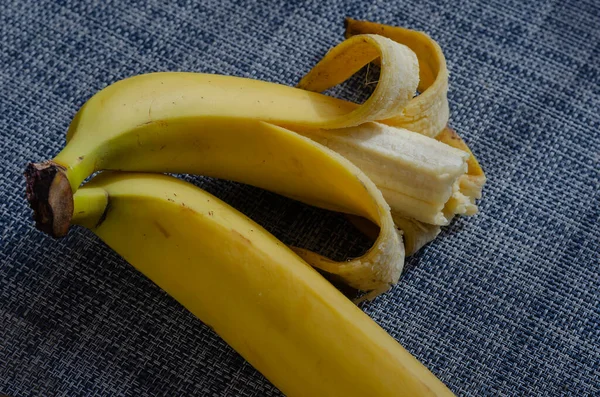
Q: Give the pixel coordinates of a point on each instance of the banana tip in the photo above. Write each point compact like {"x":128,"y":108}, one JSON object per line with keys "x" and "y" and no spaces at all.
{"x":50,"y":196}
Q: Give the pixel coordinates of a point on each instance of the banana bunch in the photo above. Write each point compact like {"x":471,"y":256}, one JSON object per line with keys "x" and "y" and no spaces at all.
{"x":390,"y":163}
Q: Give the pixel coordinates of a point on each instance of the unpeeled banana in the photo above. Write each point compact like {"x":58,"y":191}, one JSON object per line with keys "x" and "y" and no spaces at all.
{"x":262,"y":299}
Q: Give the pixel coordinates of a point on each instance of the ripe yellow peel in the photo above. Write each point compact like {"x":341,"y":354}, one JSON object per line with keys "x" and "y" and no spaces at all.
{"x":397,"y":82}
{"x":261,"y":298}
{"x":428,"y":112}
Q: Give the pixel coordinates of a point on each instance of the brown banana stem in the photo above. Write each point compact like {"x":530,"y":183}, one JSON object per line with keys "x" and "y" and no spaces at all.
{"x":50,"y":196}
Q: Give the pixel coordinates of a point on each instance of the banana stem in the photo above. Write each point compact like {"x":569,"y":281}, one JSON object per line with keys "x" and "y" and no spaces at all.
{"x":51,"y":185}
{"x":50,"y":196}
{"x":90,"y":207}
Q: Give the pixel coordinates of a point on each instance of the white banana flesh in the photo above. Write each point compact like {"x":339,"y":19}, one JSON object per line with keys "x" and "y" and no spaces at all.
{"x":416,"y":174}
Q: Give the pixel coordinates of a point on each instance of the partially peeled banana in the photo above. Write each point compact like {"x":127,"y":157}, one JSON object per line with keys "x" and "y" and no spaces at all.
{"x":391,"y":161}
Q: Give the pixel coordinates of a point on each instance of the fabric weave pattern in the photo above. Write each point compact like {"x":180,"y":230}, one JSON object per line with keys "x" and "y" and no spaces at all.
{"x":505,"y":303}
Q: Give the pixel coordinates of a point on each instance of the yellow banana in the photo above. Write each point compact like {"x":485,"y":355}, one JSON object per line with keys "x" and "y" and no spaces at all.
{"x":259,"y":295}
{"x":261,"y":298}
{"x":244,"y":150}
{"x":239,"y":129}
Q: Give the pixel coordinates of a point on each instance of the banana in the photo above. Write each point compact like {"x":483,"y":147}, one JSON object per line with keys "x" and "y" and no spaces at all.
{"x":255,"y":132}
{"x":388,"y":163}
{"x":262,"y":299}
{"x":245,"y":150}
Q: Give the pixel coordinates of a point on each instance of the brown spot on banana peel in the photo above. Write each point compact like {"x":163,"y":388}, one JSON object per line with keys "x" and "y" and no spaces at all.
{"x":50,"y":196}
{"x":162,"y":230}
{"x":188,"y":209}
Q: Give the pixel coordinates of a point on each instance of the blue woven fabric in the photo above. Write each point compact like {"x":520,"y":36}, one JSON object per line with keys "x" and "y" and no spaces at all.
{"x":505,"y":303}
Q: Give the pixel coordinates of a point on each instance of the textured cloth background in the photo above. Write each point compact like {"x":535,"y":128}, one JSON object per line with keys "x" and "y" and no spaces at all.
{"x":505,"y":303}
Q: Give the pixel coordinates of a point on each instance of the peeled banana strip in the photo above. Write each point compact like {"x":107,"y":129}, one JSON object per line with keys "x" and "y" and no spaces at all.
{"x":428,"y":112}
{"x":262,"y":299}
{"x":396,"y":86}
{"x":243,"y":150}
